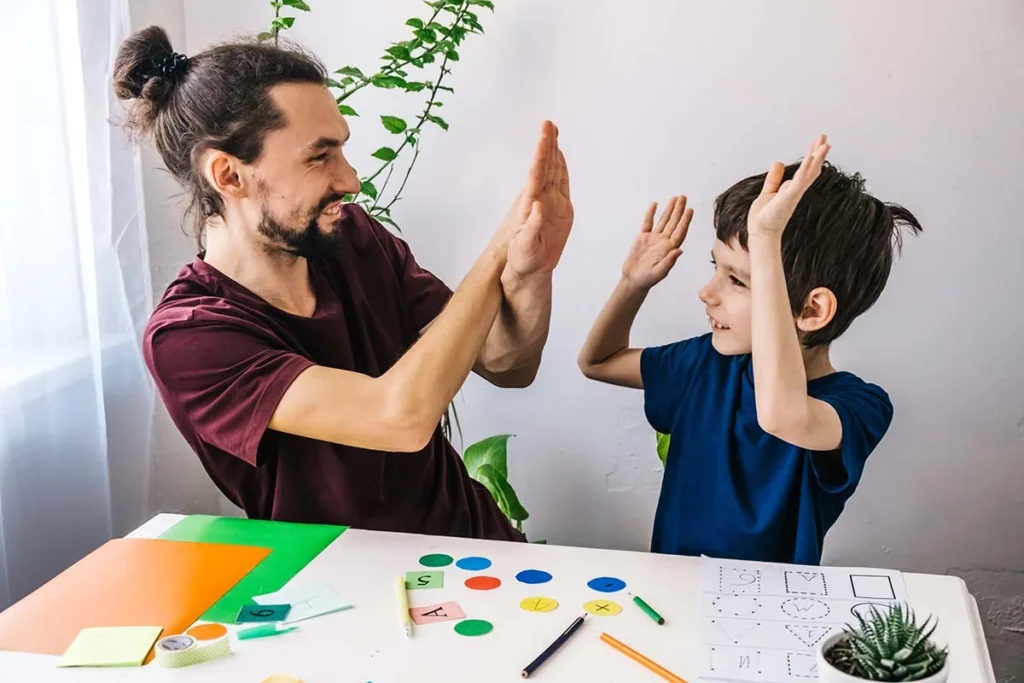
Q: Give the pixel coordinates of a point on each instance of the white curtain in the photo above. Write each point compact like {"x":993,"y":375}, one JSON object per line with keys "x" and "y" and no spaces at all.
{"x":76,"y":402}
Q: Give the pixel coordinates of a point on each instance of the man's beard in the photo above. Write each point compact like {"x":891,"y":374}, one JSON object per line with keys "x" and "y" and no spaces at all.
{"x":311,"y":241}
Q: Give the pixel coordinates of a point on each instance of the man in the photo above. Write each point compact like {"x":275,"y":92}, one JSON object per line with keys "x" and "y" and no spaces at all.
{"x":304,"y":355}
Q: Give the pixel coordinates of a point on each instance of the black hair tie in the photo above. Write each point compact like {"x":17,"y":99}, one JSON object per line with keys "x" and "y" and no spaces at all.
{"x":169,"y":66}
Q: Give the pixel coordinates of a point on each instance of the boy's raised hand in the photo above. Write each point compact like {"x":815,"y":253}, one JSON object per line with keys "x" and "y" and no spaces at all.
{"x":657,"y":247}
{"x":773,"y":208}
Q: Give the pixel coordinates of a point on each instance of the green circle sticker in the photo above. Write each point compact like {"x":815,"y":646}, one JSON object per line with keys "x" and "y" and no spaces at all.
{"x":436,"y":560}
{"x":473,"y":627}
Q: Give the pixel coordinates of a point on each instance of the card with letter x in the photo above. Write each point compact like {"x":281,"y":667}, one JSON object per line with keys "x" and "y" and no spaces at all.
{"x":431,"y":614}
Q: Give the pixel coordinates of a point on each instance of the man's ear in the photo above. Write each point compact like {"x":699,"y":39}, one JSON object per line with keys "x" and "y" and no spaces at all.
{"x":225,"y":174}
{"x":819,"y":310}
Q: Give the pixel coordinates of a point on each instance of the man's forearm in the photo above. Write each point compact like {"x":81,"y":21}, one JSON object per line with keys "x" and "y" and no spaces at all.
{"x":516,"y":340}
{"x":429,"y":375}
{"x":780,"y":380}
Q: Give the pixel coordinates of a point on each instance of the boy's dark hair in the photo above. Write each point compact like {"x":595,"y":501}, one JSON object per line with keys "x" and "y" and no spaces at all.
{"x":839,"y":237}
{"x":217,"y":99}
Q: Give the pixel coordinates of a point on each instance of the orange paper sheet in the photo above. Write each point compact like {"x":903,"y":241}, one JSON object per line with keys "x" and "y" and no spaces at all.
{"x":126,"y":582}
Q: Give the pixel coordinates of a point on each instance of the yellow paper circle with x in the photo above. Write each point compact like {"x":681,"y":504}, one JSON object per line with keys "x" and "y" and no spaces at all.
{"x":539,"y":604}
{"x":602,"y":608}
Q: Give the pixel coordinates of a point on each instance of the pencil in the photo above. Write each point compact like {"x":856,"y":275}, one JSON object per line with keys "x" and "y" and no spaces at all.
{"x":403,"y":607}
{"x":559,"y":641}
{"x":648,"y":610}
{"x":637,"y":657}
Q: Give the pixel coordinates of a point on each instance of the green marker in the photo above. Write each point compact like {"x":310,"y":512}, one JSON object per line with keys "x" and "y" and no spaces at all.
{"x":264,"y":630}
{"x":648,"y":610}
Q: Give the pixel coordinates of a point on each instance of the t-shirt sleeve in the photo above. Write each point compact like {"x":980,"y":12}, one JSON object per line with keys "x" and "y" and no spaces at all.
{"x":667,"y":373}
{"x":865,"y":412}
{"x":224,"y":382}
{"x":424,"y":293}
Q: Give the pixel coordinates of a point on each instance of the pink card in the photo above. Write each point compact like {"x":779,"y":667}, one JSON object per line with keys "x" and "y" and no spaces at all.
{"x":432,"y":614}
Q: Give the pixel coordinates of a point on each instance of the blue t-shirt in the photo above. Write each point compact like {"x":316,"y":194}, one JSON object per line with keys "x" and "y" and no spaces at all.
{"x":731,"y":490}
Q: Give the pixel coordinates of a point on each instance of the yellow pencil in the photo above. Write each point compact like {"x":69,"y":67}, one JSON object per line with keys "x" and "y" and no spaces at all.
{"x":403,"y":607}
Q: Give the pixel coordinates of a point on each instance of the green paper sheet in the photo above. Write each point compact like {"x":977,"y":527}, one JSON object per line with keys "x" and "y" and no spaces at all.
{"x":292,"y":545}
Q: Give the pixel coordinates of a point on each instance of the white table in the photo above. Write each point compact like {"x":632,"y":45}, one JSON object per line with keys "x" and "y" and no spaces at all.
{"x":364,"y":643}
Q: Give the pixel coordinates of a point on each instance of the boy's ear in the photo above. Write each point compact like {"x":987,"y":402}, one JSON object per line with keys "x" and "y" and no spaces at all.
{"x":819,"y":309}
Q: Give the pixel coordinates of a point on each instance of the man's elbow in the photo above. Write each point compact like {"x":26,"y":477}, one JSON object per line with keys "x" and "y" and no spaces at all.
{"x":408,"y":425}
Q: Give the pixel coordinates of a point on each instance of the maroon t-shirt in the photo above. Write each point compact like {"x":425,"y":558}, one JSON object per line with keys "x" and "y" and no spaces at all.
{"x":222,"y":358}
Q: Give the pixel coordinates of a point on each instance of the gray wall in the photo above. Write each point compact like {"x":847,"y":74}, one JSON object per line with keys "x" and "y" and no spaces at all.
{"x":923,"y":97}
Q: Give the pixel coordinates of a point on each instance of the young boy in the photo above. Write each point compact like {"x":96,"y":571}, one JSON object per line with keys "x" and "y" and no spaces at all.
{"x":767,"y":439}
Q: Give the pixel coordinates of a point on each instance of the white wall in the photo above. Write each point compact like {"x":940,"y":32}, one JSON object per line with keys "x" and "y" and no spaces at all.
{"x":656,"y":97}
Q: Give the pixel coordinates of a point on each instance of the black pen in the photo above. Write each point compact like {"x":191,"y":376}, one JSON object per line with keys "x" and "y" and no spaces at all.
{"x":543,"y":657}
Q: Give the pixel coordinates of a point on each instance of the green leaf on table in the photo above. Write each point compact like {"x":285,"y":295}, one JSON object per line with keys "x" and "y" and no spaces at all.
{"x":297,"y":4}
{"x":415,"y":22}
{"x":350,"y":71}
{"x":393,"y":124}
{"x":346,"y":110}
{"x":385,"y":154}
{"x":438,"y":120}
{"x":368,"y":188}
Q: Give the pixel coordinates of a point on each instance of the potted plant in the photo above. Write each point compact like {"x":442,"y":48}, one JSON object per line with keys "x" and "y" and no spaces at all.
{"x":884,"y":648}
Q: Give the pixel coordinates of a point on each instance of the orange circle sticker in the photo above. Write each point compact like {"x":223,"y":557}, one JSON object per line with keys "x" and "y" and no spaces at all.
{"x":207,"y":631}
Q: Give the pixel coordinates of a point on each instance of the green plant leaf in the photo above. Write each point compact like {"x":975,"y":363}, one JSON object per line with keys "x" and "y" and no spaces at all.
{"x":350,"y":71}
{"x":427,"y":35}
{"x":483,"y":3}
{"x":399,"y":52}
{"x":445,"y":88}
{"x":264,"y":36}
{"x":368,"y":188}
{"x":387,"y":219}
{"x":491,"y":451}
{"x":438,"y":120}
{"x":427,"y":58}
{"x":415,"y":22}
{"x":514,"y":509}
{"x":663,"y":441}
{"x":283,"y":22}
{"x":452,"y":55}
{"x":346,"y":110}
{"x":297,"y":4}
{"x":394,"y":124}
{"x":385,"y":154}
{"x":414,"y":86}
{"x":331,"y":83}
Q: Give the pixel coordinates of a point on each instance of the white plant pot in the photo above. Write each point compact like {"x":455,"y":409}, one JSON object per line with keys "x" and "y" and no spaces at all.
{"x":829,"y":674}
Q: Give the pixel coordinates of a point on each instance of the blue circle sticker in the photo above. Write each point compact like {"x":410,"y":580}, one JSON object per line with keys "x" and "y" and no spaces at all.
{"x":606,"y":584}
{"x":533,"y":576}
{"x":473,"y":564}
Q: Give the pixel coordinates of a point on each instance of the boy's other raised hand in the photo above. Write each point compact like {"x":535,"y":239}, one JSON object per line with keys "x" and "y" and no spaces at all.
{"x":773,"y":208}
{"x":657,"y":247}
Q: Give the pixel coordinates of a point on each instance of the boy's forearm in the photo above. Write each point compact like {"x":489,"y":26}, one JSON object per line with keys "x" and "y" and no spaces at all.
{"x":780,"y":380}
{"x":610,"y":333}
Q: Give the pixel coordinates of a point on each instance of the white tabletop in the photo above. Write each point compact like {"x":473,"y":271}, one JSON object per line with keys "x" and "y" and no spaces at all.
{"x":364,"y":643}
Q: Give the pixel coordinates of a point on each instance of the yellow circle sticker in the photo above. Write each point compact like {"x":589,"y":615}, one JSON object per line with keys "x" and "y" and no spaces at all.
{"x":539,"y":604}
{"x":602,"y":608}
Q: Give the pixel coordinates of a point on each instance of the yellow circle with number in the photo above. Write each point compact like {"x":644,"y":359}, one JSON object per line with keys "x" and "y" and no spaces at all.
{"x":602,"y":608}
{"x":539,"y":604}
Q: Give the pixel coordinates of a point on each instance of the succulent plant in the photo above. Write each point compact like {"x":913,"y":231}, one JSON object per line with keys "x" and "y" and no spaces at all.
{"x":892,"y":647}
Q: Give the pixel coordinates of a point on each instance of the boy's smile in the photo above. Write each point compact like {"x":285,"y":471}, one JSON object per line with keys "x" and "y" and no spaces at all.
{"x":726,"y":298}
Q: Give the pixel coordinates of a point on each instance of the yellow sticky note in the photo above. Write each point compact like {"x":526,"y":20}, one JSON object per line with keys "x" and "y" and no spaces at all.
{"x":110,"y":646}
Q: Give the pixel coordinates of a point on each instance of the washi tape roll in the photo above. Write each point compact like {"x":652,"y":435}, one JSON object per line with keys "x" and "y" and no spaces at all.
{"x":198,"y":644}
